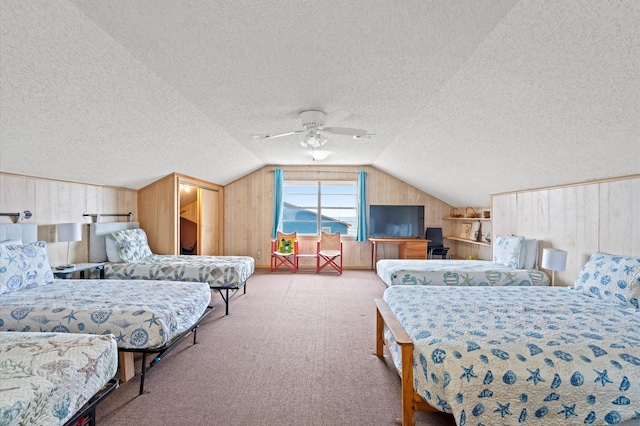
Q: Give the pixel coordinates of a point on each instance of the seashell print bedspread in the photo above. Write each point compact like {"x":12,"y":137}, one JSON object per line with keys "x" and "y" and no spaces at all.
{"x":45,"y":378}
{"x":521,"y":355}
{"x":217,"y":271}
{"x":141,"y":314}
{"x":456,"y":273}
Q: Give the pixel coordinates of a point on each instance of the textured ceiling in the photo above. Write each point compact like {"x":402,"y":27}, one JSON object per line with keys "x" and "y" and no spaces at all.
{"x":466,"y":98}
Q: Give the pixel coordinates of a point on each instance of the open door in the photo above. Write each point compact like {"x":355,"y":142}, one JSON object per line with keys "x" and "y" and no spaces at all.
{"x":208,"y":234}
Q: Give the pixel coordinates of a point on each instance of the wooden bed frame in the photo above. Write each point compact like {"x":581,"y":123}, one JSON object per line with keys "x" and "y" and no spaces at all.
{"x":411,"y":401}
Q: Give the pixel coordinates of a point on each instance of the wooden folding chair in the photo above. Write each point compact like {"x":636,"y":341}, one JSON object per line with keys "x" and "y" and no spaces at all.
{"x":284,"y":250}
{"x":329,"y":252}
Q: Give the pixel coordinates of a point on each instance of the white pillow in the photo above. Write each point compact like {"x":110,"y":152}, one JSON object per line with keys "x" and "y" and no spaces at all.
{"x":7,"y":242}
{"x":112,"y":251}
{"x":508,"y":250}
{"x":530,"y":254}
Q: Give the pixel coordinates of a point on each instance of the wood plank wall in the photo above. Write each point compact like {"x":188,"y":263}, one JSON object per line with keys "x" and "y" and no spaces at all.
{"x":249,"y":211}
{"x":581,"y":219}
{"x":55,"y":201}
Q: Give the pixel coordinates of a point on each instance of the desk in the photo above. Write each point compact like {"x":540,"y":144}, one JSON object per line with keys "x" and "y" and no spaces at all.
{"x":409,"y":248}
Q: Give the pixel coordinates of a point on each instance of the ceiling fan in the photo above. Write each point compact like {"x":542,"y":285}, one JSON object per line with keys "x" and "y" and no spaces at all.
{"x":316,"y":123}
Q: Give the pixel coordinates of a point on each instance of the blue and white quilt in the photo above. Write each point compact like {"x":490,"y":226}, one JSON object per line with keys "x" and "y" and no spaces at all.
{"x":45,"y":378}
{"x":219,"y":272}
{"x":521,"y":355}
{"x":456,"y":273}
{"x":141,"y":314}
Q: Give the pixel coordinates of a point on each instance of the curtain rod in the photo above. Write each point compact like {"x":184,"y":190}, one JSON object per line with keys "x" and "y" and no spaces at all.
{"x":316,"y":171}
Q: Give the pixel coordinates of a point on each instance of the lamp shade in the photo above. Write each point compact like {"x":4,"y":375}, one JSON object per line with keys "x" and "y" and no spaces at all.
{"x":554,"y":260}
{"x":69,"y":232}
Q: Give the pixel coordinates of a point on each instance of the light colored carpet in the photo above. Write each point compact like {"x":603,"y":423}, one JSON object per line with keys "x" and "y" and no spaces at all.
{"x":297,"y":349}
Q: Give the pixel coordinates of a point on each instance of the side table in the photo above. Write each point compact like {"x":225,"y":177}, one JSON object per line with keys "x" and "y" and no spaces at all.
{"x":65,"y":274}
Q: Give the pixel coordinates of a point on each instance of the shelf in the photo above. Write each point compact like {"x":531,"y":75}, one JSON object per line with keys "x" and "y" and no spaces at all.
{"x":466,"y":218}
{"x":468,"y":241}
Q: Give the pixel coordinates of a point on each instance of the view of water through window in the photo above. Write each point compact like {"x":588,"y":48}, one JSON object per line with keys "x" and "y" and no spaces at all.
{"x":312,"y":207}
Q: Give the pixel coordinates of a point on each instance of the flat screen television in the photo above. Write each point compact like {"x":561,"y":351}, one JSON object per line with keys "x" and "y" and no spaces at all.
{"x":391,"y":221}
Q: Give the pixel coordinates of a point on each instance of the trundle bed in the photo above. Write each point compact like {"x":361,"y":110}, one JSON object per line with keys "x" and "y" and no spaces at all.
{"x":124,"y":248}
{"x":55,"y":378}
{"x":149,"y":317}
{"x":515,"y":263}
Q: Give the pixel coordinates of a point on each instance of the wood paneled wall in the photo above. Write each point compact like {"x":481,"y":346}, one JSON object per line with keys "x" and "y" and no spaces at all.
{"x":581,"y":219}
{"x":54,"y":201}
{"x":249,"y":211}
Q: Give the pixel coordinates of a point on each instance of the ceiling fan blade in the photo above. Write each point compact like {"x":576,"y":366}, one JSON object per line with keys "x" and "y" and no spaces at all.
{"x":295,"y":132}
{"x":344,"y":131}
{"x":335,"y":117}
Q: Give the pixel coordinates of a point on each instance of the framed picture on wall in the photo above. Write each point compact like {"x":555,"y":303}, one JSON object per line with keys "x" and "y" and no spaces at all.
{"x":465,"y":231}
{"x":475,"y":231}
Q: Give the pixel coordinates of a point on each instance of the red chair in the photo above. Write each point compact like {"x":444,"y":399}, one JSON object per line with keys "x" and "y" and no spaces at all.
{"x":284,"y":252}
{"x":329,"y":252}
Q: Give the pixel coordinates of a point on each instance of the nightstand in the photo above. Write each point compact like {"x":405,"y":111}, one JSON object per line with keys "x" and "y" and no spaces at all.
{"x":65,"y":274}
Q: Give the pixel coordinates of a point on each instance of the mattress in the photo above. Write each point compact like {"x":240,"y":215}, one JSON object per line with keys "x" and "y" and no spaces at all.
{"x":457,"y":273}
{"x":218,"y":271}
{"x":45,"y":378}
{"x":510,"y":355}
{"x":141,"y":314}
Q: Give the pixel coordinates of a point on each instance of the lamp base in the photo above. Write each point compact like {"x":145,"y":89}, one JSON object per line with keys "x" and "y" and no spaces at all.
{"x":65,"y":268}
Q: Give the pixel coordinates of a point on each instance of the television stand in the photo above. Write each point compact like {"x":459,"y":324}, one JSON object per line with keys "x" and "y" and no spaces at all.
{"x":408,"y":248}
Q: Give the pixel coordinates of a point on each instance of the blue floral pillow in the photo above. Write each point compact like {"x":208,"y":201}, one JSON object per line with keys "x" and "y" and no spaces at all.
{"x":509,"y":251}
{"x":610,"y":277}
{"x":24,"y":266}
{"x":131,"y":244}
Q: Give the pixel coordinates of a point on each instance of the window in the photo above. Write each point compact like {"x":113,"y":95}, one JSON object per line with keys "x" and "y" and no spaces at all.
{"x":310,"y":207}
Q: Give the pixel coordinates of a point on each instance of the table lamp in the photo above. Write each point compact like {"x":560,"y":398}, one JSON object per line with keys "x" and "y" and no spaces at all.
{"x":68,"y":232}
{"x":554,"y":260}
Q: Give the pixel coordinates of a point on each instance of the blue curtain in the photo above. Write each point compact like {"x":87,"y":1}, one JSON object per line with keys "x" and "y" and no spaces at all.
{"x":362,"y":207}
{"x":278,"y":184}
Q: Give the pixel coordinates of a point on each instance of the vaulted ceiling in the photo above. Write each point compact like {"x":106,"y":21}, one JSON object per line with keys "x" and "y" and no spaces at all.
{"x":465,"y":97}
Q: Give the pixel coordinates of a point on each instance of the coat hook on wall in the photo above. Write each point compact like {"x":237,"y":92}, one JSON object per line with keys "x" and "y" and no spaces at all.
{"x":18,"y":217}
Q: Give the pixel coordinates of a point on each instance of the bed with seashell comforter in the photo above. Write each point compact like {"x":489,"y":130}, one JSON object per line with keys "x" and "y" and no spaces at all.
{"x":520,"y":355}
{"x":54,"y":378}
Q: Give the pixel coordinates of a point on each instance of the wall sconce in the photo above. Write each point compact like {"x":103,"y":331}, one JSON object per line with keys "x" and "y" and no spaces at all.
{"x":554,"y":260}
{"x":67,"y":232}
{"x":18,"y":217}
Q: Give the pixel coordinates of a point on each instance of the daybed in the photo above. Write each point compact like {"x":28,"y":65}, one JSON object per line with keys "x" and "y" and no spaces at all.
{"x":54,"y":378}
{"x":514,"y":263}
{"x":145,"y":316}
{"x":511,"y":355}
{"x":124,"y":248}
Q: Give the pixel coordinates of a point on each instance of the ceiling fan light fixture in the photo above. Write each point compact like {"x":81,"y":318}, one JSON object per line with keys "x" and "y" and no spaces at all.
{"x":319,"y":154}
{"x":313,"y":140}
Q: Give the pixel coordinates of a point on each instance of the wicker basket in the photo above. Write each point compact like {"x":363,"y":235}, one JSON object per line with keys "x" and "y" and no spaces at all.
{"x":470,"y":212}
{"x":455,"y":213}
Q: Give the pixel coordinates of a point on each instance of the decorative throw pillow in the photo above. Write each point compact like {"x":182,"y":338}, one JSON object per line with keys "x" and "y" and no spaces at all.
{"x":24,"y":266}
{"x":530,"y":254}
{"x":508,"y":251}
{"x":285,"y":244}
{"x":610,"y":277}
{"x":131,"y":244}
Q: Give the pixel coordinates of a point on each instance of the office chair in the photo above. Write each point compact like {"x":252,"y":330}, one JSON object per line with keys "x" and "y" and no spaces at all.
{"x":436,"y":247}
